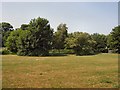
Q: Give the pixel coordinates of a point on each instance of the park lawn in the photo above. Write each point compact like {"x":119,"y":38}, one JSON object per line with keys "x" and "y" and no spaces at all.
{"x":97,"y":71}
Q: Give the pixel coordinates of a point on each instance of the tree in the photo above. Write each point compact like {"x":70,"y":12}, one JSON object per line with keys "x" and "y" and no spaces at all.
{"x":70,"y":41}
{"x":101,"y":42}
{"x":25,"y":43}
{"x":81,"y":43}
{"x":0,"y":40}
{"x":84,"y":44}
{"x":12,"y":40}
{"x":5,"y":29}
{"x":59,"y":37}
{"x":24,"y":26}
{"x":37,"y":40}
{"x":114,"y":39}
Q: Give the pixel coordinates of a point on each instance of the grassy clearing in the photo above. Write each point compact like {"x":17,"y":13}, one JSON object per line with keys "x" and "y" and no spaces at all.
{"x":100,"y":71}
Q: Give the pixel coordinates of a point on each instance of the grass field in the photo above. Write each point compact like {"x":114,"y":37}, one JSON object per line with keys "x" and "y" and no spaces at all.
{"x":97,"y":71}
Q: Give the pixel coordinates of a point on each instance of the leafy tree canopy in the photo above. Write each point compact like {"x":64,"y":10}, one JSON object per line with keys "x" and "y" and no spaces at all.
{"x":114,"y":39}
{"x":4,"y":26}
{"x":60,"y":36}
{"x":101,"y":42}
{"x":37,"y":40}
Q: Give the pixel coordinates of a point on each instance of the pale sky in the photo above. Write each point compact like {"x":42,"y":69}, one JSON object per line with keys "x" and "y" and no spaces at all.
{"x":91,"y":17}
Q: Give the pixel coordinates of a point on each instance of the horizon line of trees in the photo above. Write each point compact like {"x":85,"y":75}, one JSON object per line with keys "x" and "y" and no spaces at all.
{"x":38,"y":38}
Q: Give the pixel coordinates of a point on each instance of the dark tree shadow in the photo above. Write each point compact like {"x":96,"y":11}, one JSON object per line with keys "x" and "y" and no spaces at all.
{"x":57,"y":54}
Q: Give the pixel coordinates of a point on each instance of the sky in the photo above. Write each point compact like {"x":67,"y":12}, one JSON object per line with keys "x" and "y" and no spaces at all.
{"x":91,"y":17}
{"x":60,"y":0}
{"x":118,"y":13}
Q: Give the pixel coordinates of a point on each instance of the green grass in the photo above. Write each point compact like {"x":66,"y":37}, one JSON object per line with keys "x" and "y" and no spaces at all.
{"x":97,"y":71}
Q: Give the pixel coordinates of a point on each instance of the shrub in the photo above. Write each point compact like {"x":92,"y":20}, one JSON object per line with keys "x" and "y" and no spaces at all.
{"x":68,"y":51}
{"x":5,"y":51}
{"x":61,"y":51}
{"x":12,"y":41}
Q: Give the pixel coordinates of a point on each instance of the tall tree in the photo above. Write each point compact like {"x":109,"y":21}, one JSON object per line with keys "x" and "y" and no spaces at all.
{"x":114,"y":39}
{"x":60,"y":36}
{"x":12,"y":40}
{"x":101,"y":42}
{"x":81,"y":43}
{"x":5,"y":29}
{"x":38,"y":38}
{"x":0,"y":40}
{"x":84,"y":44}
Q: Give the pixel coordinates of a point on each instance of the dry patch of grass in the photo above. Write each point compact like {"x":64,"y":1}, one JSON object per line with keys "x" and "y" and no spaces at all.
{"x":100,"y":71}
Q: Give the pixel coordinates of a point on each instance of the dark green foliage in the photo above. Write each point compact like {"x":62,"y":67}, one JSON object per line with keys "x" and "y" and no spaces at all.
{"x":24,"y":26}
{"x":5,"y":29}
{"x":5,"y":35}
{"x":81,"y":43}
{"x":101,"y":42}
{"x":23,"y":43}
{"x":12,"y":40}
{"x":59,"y":37}
{"x":36,"y":41}
{"x":5,"y":51}
{"x":114,"y":39}
{"x":0,"y":40}
{"x":84,"y":44}
{"x":33,"y":39}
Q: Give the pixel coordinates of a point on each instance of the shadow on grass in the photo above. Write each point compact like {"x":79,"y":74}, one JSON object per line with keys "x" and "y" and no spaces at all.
{"x":50,"y":55}
{"x":56,"y":54}
{"x":86,"y":55}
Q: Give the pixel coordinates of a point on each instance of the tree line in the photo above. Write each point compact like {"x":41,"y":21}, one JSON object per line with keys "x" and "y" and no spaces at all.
{"x":38,"y":38}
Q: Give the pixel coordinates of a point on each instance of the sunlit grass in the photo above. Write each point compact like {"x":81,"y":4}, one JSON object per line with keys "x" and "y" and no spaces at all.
{"x":100,"y":71}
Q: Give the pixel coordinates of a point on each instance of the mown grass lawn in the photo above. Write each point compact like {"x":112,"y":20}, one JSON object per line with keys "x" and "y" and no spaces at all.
{"x":97,"y":71}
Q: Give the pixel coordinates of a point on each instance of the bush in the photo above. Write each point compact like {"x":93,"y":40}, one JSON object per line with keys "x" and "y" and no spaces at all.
{"x":12,"y":41}
{"x":69,"y":51}
{"x":61,"y":51}
{"x":84,"y":51}
{"x":5,"y":51}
